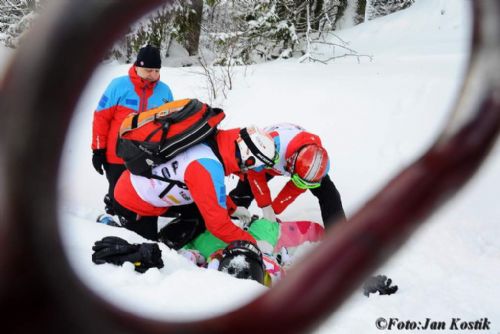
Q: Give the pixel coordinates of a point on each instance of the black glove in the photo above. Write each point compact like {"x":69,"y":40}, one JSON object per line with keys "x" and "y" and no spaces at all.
{"x":99,"y":160}
{"x":116,"y":251}
{"x":108,"y":205}
{"x":379,"y":283}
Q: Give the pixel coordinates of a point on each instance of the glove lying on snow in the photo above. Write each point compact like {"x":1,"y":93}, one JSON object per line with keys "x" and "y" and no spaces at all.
{"x":117,"y":251}
{"x":379,"y":283}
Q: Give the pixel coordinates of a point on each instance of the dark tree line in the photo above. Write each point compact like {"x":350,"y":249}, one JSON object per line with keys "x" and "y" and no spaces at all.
{"x":237,"y":31}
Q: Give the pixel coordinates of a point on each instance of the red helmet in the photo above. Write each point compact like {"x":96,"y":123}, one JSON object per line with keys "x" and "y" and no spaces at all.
{"x":310,"y":163}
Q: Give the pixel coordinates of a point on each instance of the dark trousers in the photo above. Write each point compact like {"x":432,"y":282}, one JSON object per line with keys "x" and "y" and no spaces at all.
{"x":113,"y":173}
{"x":327,"y":194}
{"x":186,"y":225}
{"x":330,"y":202}
{"x":145,"y":226}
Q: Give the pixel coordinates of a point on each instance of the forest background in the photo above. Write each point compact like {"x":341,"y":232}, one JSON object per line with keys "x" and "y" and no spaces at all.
{"x":222,"y":32}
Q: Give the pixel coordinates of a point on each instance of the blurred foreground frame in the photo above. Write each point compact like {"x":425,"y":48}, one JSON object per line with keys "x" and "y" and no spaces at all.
{"x":40,"y":292}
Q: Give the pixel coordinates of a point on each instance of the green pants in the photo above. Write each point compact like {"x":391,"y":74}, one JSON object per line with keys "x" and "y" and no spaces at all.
{"x":261,"y":229}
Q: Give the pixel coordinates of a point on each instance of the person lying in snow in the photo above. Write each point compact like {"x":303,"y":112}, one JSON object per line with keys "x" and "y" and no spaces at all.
{"x":240,"y":258}
{"x":305,"y":161}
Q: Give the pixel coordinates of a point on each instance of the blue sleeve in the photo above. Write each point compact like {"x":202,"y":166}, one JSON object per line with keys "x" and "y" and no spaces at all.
{"x":216,"y":171}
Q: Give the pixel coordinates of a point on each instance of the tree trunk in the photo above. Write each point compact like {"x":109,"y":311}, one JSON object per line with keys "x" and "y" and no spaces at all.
{"x":361,"y":11}
{"x":316,"y":17}
{"x":300,"y":7}
{"x":194,"y":23}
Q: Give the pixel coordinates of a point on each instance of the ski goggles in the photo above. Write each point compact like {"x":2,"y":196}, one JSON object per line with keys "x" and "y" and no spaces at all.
{"x":303,"y":184}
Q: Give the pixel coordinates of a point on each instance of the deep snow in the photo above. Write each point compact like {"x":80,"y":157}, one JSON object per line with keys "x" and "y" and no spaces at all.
{"x":374,"y":118}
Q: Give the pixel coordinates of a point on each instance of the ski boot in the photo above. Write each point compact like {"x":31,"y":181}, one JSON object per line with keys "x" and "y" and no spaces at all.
{"x":107,"y":219}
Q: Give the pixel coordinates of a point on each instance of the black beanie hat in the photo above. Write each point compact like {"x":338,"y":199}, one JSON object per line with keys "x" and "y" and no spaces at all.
{"x":148,"y":57}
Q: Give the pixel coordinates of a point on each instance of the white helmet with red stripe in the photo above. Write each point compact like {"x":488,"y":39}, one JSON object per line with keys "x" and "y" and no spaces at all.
{"x":308,"y":166}
{"x":256,"y":148}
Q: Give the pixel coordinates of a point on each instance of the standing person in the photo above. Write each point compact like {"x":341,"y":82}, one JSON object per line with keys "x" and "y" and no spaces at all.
{"x":192,"y":185}
{"x":303,"y":159}
{"x":136,"y":92}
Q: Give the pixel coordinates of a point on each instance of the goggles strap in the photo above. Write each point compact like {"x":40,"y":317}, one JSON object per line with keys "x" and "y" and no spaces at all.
{"x":302,"y":184}
{"x":254,"y":149}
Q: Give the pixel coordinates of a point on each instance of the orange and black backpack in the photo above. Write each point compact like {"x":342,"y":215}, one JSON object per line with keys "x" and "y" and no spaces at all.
{"x":155,"y":136}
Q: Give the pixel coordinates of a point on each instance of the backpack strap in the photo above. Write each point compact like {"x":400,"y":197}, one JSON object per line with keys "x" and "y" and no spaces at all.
{"x":212,"y":143}
{"x":171,"y":184}
{"x":166,"y":110}
{"x":164,"y":129}
{"x":197,"y":133}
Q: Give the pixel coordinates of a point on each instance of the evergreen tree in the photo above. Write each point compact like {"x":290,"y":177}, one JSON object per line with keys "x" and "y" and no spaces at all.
{"x":378,"y":8}
{"x":267,"y":29}
{"x":180,"y":21}
{"x":156,"y":28}
{"x":188,"y":23}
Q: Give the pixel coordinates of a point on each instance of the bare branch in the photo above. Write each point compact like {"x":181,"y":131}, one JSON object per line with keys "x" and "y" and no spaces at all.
{"x":326,"y":61}
{"x":335,"y":44}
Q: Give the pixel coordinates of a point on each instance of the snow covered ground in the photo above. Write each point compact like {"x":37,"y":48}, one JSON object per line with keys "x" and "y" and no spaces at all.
{"x":374,"y":118}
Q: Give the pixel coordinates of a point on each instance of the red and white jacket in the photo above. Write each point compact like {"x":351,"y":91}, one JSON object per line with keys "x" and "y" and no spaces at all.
{"x":289,"y":138}
{"x":197,"y":176}
{"x":124,"y":95}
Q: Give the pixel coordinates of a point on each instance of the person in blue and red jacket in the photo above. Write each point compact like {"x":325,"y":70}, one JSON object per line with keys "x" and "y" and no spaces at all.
{"x":191,"y":186}
{"x":136,"y":92}
{"x":304,"y":160}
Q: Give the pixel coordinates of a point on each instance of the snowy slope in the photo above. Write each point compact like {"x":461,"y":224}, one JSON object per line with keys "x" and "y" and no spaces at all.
{"x":374,"y":118}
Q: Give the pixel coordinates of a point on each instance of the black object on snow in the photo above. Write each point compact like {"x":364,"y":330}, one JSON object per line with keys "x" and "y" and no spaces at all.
{"x":380,"y":284}
{"x":117,"y":251}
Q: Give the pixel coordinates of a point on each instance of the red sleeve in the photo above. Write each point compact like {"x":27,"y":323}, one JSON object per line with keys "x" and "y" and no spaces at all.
{"x":209,"y":193}
{"x":231,"y":206}
{"x":100,"y":127}
{"x":260,"y":189}
{"x":286,"y":196}
{"x":126,"y":196}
